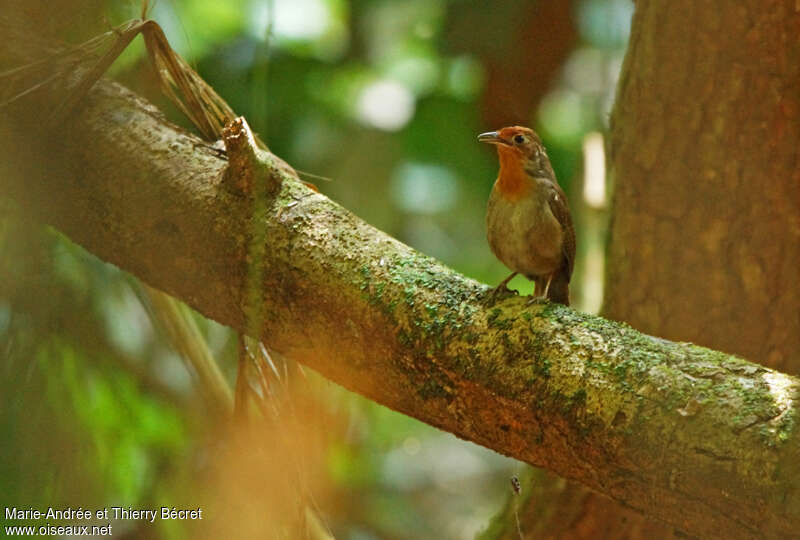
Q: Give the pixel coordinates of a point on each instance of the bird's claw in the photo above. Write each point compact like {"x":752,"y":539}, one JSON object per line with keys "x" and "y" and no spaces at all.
{"x":538,"y":300}
{"x":499,"y":292}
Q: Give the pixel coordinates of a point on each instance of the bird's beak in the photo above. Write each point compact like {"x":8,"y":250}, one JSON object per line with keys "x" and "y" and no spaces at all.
{"x":491,"y":137}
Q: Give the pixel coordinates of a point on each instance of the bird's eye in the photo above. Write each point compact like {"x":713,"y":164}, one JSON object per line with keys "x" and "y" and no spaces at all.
{"x":519,"y":139}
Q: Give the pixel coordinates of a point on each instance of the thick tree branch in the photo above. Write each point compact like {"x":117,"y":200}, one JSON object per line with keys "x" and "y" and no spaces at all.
{"x":700,"y":439}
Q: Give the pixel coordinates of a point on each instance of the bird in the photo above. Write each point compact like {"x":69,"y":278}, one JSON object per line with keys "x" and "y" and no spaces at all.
{"x":528,"y":222}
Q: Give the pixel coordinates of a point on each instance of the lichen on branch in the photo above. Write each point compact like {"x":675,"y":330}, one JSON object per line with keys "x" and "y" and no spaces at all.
{"x":685,"y":434}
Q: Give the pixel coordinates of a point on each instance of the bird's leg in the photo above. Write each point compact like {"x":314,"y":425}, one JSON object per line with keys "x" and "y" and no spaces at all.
{"x":547,"y":287}
{"x":503,"y":286}
{"x":539,"y":291}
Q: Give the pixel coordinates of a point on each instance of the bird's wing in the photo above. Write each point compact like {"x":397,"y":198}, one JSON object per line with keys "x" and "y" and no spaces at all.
{"x":558,"y":205}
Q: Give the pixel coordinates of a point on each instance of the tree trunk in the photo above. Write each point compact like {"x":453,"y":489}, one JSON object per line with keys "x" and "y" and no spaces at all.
{"x":705,"y":242}
{"x":705,"y":239}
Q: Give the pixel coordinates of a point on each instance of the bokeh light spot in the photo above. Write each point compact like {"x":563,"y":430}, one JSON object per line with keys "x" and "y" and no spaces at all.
{"x":386,"y":105}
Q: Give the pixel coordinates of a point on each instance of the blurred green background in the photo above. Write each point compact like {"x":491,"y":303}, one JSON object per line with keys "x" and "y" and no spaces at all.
{"x":383,"y":99}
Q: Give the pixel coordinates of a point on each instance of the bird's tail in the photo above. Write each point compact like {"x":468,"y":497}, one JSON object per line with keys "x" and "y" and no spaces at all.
{"x":559,"y":288}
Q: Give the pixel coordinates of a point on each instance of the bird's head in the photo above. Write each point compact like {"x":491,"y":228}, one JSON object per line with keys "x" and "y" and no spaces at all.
{"x":518,"y":140}
{"x":518,"y":143}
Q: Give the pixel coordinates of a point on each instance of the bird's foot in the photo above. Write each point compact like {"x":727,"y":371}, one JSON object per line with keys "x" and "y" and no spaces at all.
{"x":538,"y":300}
{"x":502,"y":289}
{"x":499,"y":292}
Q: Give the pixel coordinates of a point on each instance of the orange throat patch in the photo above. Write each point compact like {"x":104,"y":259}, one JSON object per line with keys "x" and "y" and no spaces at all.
{"x":512,"y":182}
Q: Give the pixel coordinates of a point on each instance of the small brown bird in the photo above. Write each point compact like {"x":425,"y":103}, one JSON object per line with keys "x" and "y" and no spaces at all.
{"x":528,"y":220}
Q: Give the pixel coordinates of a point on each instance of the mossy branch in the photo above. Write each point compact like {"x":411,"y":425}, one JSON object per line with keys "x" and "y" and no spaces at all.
{"x":700,"y":439}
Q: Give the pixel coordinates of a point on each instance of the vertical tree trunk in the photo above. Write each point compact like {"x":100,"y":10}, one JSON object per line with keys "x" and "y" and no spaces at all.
{"x":705,"y":237}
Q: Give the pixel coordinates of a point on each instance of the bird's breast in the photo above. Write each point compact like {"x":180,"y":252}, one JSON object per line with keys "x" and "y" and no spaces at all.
{"x":524,"y":234}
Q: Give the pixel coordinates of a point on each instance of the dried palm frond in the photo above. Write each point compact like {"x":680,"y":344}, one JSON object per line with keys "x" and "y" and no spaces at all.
{"x":72,"y":70}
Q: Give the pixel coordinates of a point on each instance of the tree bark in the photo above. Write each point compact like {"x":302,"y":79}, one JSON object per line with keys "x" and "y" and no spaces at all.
{"x":706,"y":223}
{"x":702,"y":440}
{"x":705,"y":240}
